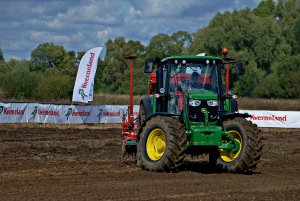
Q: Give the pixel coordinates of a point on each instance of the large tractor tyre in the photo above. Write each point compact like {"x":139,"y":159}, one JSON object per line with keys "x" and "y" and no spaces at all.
{"x":142,"y":118}
{"x":142,"y":114}
{"x":234,"y":105}
{"x":249,"y":153}
{"x":162,"y":144}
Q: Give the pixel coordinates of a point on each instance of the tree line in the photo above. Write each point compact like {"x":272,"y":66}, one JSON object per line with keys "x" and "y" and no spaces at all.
{"x":266,"y":40}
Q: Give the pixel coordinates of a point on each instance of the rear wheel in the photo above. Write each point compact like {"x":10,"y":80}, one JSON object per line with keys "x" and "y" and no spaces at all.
{"x":162,"y":144}
{"x":142,"y":114}
{"x":249,"y":140}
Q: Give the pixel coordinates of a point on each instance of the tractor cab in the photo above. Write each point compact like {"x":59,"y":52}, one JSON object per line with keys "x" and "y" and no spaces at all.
{"x":193,"y":78}
{"x":188,"y":76}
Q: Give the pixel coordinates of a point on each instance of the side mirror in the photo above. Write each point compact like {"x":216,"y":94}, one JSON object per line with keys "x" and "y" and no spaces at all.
{"x":148,"y":67}
{"x":239,"y":69}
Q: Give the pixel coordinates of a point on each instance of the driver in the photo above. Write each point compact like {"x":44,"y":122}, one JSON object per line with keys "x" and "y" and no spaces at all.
{"x":194,"y":81}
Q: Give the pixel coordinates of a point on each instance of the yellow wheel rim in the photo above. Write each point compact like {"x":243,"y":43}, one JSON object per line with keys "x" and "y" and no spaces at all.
{"x":225,"y":154}
{"x":156,"y":144}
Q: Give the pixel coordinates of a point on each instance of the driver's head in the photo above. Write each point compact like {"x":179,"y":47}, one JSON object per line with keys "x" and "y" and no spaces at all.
{"x":195,"y":76}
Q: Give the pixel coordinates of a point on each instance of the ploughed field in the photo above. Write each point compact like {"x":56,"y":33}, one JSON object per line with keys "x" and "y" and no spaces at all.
{"x":85,"y":163}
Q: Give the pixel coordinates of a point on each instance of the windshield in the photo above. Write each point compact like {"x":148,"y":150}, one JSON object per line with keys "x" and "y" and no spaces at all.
{"x":190,"y":76}
{"x":193,"y":76}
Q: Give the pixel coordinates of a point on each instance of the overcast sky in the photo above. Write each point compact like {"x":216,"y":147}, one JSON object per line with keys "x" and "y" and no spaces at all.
{"x":83,"y":24}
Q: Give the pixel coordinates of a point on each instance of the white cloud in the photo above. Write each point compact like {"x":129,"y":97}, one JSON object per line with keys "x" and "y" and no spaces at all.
{"x":83,"y":24}
{"x":91,"y":12}
{"x":135,"y":12}
{"x":104,"y":33}
{"x":37,"y":35}
{"x":166,"y":8}
{"x":46,"y":36}
{"x":55,"y":24}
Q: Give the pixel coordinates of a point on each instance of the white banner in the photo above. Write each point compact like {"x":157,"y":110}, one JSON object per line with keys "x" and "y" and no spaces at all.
{"x":84,"y":84}
{"x":92,"y":114}
{"x":278,"y":119}
{"x":62,"y":114}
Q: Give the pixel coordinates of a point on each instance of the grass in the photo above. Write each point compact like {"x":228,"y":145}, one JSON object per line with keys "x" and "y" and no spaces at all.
{"x":243,"y":102}
{"x":108,"y":99}
{"x":269,"y":104}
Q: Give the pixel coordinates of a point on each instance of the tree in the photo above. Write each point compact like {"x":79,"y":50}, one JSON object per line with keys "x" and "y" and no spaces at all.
{"x":180,"y":41}
{"x":113,"y":74}
{"x":247,"y":83}
{"x":283,"y":82}
{"x":52,"y":85}
{"x":288,"y":15}
{"x":252,"y":39}
{"x":159,"y":47}
{"x":279,"y":10}
{"x":48,"y":55}
{"x":265,"y":8}
{"x":1,"y":56}
{"x":16,"y":81}
{"x":163,"y":45}
{"x":297,"y":35}
{"x":75,"y":57}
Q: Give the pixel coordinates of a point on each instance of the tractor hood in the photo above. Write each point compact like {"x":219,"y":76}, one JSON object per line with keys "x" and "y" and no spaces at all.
{"x":201,"y":94}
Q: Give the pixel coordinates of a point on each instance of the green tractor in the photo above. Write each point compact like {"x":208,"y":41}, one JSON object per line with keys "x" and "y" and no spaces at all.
{"x":190,"y":111}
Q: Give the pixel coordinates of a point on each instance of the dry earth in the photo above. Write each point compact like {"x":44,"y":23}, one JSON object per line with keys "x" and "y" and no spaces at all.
{"x":85,"y":163}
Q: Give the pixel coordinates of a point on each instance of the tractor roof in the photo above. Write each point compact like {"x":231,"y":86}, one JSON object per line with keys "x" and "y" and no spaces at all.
{"x":191,"y":58}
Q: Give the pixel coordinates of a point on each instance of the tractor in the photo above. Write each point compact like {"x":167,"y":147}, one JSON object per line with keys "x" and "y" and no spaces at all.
{"x":190,"y":111}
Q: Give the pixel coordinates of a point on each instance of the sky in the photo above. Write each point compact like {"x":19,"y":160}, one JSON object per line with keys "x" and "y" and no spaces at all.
{"x":80,"y":25}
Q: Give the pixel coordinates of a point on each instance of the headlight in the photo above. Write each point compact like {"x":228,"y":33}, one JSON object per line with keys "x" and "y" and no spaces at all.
{"x":212,"y":103}
{"x":194,"y":103}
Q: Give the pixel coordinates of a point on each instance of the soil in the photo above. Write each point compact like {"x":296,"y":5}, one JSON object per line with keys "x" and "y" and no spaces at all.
{"x":85,"y":163}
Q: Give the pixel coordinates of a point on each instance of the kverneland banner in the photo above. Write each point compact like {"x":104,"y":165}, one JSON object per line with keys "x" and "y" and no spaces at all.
{"x":62,"y":114}
{"x":279,"y":119}
{"x":84,"y":84}
{"x":92,"y":114}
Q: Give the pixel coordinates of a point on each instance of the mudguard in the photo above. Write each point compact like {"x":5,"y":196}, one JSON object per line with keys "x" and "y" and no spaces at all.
{"x":234,"y":115}
{"x":147,"y":106}
{"x":151,"y":116}
{"x":234,"y":105}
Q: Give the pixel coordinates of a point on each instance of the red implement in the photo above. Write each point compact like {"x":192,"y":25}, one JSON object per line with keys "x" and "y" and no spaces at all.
{"x":129,"y":123}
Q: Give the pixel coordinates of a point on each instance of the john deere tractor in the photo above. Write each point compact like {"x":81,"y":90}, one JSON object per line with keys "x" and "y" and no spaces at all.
{"x":190,"y":111}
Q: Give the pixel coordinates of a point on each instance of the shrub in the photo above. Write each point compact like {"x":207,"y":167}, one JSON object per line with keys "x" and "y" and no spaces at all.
{"x":19,"y":85}
{"x":53,"y":87}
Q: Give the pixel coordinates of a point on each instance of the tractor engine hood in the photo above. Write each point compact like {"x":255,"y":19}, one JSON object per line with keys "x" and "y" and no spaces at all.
{"x":201,"y":94}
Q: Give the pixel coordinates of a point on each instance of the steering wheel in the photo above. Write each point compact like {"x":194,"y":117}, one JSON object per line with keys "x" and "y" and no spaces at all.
{"x":186,"y":85}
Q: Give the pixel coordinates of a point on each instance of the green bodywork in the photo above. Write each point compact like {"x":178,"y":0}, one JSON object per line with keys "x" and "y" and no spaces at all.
{"x":191,"y":57}
{"x":206,"y":133}
{"x":202,"y":133}
{"x":227,"y":106}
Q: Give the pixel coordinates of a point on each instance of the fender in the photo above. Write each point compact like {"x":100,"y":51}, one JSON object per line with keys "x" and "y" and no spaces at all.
{"x":234,"y":115}
{"x":151,"y":116}
{"x":147,"y":103}
{"x":234,"y":105}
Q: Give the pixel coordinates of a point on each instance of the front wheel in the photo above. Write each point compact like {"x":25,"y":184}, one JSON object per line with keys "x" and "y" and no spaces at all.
{"x":162,"y":144}
{"x":249,"y":140}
